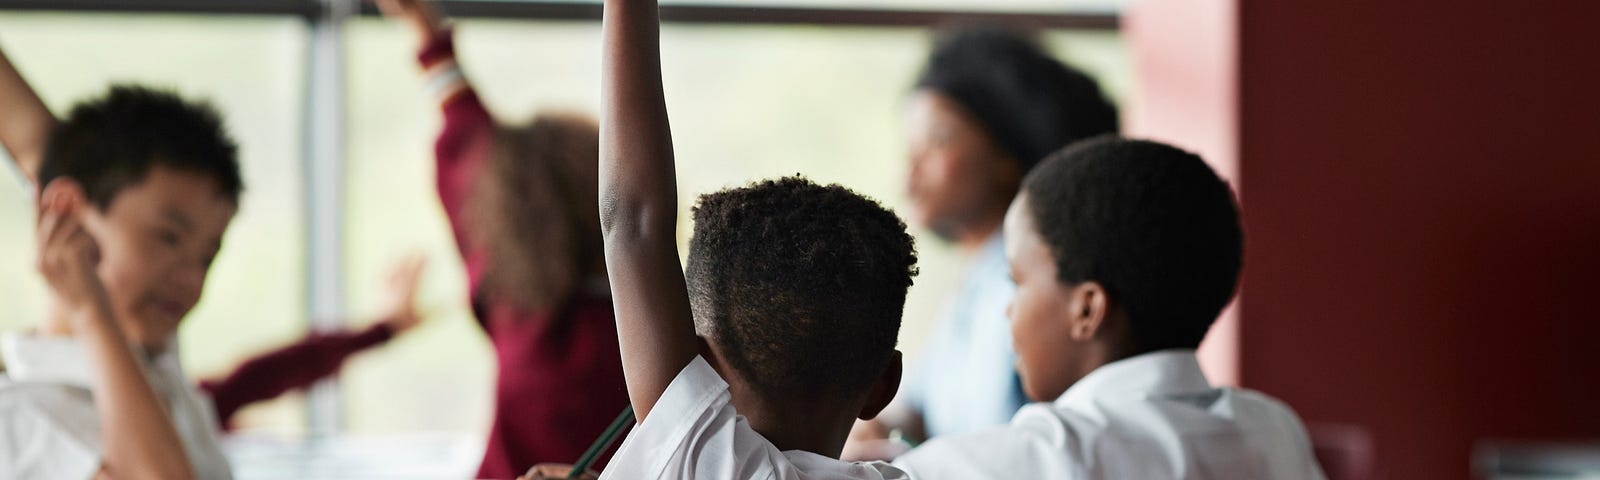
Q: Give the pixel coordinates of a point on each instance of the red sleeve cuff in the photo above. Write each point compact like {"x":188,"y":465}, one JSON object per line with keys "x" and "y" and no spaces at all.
{"x":439,"y":48}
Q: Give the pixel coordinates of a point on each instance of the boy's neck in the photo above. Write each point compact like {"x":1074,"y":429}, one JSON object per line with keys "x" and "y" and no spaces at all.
{"x":976,"y":234}
{"x":806,"y":429}
{"x":798,"y":429}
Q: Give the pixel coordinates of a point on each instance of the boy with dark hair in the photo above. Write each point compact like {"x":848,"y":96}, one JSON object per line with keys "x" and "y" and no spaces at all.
{"x":794,"y":289}
{"x":1124,"y":252}
{"x":150,"y":181}
{"x":138,"y":188}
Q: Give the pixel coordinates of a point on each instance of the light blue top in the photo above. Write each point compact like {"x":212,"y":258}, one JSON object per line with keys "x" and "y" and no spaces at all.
{"x":966,"y":380}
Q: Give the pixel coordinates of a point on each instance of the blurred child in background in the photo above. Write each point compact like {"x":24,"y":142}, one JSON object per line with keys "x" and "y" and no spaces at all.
{"x":522,"y":205}
{"x":138,"y":188}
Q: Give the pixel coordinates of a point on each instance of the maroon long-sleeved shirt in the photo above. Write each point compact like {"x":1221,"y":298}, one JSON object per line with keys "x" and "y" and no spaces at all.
{"x":298,"y":365}
{"x":560,"y":380}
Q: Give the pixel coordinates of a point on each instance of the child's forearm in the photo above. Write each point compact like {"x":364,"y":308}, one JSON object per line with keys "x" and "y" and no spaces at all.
{"x":25,"y":123}
{"x":137,"y":436}
{"x":269,"y":375}
{"x":638,"y":207}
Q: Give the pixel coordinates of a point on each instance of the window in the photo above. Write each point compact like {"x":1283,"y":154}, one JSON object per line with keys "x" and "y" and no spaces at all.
{"x":747,"y":102}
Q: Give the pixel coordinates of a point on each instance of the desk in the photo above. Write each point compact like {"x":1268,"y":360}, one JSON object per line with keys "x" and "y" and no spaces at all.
{"x":267,"y":456}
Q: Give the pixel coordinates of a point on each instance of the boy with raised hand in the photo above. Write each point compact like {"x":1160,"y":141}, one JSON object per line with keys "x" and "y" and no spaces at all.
{"x":139,"y":187}
{"x":1123,"y":252}
{"x":26,"y":128}
{"x":783,"y":334}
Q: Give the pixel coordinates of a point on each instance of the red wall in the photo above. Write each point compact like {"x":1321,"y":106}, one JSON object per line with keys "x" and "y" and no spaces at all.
{"x":1421,"y":191}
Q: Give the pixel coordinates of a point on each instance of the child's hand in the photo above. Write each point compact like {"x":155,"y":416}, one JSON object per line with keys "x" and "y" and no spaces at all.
{"x":68,"y":255}
{"x":402,"y":314}
{"x":553,"y":471}
{"x":418,"y":15}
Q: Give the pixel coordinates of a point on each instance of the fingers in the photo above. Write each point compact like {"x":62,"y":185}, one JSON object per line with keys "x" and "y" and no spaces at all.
{"x":66,"y":243}
{"x":80,"y":244}
{"x":57,"y":222}
{"x":390,"y":8}
{"x":405,"y":275}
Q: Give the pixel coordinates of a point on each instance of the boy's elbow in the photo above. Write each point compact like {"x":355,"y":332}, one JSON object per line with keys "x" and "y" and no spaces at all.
{"x":627,"y":220}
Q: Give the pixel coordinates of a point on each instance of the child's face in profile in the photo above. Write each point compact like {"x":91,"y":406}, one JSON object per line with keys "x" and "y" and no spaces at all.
{"x":1048,"y":360}
{"x":157,"y":239}
{"x":958,"y":175}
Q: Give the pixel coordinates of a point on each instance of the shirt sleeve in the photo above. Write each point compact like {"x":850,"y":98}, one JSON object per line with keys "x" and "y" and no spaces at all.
{"x":295,"y":366}
{"x":35,"y":445}
{"x":1041,"y":450}
{"x":464,"y":143}
{"x":694,"y":433}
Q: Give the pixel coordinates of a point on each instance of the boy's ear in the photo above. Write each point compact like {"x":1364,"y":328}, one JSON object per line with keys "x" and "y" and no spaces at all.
{"x":884,"y":389}
{"x":1087,"y":310}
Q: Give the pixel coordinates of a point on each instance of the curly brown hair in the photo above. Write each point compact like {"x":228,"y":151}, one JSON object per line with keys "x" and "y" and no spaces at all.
{"x":534,"y":210}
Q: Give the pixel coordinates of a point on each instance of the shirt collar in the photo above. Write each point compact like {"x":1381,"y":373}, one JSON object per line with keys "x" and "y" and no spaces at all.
{"x":1164,"y":372}
{"x":819,"y":466}
{"x":39,"y":358}
{"x":54,"y":359}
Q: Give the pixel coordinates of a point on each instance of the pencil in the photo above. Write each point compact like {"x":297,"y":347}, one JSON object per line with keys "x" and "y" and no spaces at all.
{"x":600,"y":444}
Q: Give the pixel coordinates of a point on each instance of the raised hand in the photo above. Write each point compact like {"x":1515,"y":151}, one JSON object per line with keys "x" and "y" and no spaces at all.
{"x":419,"y":16}
{"x":68,"y":254}
{"x":639,"y":206}
{"x":401,"y":313}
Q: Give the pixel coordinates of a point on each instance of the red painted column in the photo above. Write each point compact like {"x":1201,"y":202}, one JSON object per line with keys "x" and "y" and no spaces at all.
{"x":1421,"y":190}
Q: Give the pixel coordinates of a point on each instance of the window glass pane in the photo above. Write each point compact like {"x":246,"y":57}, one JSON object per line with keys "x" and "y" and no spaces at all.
{"x":748,"y":102}
{"x":251,"y":70}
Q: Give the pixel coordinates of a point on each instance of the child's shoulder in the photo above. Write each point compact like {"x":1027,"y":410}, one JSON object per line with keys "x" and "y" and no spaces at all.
{"x":49,"y":400}
{"x":47,"y":423}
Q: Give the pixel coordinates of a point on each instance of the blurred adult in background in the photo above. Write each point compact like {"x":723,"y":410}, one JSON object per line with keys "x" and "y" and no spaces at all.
{"x":989,"y":104}
{"x":523,"y":204}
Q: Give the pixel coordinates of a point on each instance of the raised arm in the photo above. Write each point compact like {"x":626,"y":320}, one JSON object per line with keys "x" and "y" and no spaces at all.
{"x":317,"y":356}
{"x":137,"y":437}
{"x":463,"y":146}
{"x":269,"y":375}
{"x":25,"y":123}
{"x":639,"y":206}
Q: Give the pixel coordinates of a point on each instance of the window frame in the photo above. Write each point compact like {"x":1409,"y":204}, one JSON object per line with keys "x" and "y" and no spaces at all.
{"x":323,"y":138}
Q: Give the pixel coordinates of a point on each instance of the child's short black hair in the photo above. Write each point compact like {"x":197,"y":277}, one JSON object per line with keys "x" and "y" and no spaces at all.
{"x":802,"y":286}
{"x":1152,"y":224}
{"x":1030,"y":103}
{"x":111,"y":142}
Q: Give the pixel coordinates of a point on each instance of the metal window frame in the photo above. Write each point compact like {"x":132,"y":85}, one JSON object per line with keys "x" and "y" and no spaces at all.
{"x":323,"y":135}
{"x":318,"y":10}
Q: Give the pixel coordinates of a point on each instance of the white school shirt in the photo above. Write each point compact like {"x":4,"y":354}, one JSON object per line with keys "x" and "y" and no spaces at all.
{"x":1149,"y":417}
{"x":49,"y":428}
{"x":694,"y":433}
